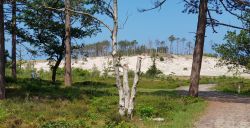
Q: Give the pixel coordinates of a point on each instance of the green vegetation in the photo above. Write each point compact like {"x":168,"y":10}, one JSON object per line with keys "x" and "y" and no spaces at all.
{"x":153,"y":72}
{"x":91,"y":102}
{"x":235,"y":53}
{"x":229,"y":84}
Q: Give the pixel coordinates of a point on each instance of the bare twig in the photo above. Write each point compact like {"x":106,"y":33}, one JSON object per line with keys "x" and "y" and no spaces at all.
{"x":83,"y":13}
{"x":211,"y":20}
{"x":157,"y":4}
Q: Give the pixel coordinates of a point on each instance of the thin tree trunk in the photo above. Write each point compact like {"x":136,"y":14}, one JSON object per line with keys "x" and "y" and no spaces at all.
{"x":171,"y":45}
{"x":14,"y":39}
{"x":67,"y":75}
{"x":133,"y":89}
{"x":115,"y":59}
{"x":126,"y":89}
{"x":2,"y":49}
{"x":55,"y":67}
{"x":198,"y":51}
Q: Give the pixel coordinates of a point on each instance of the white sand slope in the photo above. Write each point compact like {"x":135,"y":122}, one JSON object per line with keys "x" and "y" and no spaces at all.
{"x":178,"y":65}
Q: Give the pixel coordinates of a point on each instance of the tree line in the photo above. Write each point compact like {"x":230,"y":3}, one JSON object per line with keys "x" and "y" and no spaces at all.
{"x":174,"y":45}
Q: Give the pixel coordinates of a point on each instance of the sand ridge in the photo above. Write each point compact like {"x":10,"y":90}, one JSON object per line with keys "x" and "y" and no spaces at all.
{"x":176,"y":65}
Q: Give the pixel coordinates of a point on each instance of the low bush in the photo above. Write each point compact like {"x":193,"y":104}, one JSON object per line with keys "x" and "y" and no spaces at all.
{"x":146,"y":111}
{"x":152,"y":72}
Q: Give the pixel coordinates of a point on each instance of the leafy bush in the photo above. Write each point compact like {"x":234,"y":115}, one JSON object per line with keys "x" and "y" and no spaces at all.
{"x":60,"y":72}
{"x":81,"y":72}
{"x":146,"y":111}
{"x":153,"y":71}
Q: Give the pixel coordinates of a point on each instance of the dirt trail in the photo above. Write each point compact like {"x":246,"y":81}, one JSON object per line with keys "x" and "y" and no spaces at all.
{"x":224,"y":110}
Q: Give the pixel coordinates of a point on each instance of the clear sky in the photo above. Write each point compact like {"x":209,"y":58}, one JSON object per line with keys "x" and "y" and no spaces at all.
{"x":158,"y":24}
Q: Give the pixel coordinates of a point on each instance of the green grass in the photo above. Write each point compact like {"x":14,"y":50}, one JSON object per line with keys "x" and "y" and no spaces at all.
{"x":92,"y":102}
{"x":229,"y":84}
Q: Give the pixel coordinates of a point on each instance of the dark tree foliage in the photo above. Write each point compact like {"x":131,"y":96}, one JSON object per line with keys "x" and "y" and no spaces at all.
{"x":236,"y":51}
{"x":153,"y":71}
{"x":45,"y":29}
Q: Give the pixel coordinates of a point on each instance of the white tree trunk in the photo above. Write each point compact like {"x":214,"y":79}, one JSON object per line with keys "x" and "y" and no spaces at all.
{"x":126,"y":99}
{"x":133,"y":90}
{"x":126,"y":86}
{"x":115,"y":59}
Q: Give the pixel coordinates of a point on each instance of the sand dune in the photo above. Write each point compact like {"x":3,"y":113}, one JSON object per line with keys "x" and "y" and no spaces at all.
{"x":176,"y":65}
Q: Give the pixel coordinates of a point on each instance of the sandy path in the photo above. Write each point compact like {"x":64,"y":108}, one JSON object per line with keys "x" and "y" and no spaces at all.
{"x":224,"y":110}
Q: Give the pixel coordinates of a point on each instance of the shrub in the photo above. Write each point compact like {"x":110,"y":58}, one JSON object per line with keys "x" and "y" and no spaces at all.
{"x":81,"y":72}
{"x":146,"y":111}
{"x":60,"y":72}
{"x":161,"y":58}
{"x":153,"y":71}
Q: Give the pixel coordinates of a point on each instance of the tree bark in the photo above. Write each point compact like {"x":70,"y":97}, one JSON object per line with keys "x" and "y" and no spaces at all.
{"x":14,"y":39}
{"x":126,"y":86}
{"x":2,"y":49}
{"x":67,"y":75}
{"x":133,"y":89}
{"x":198,"y":50}
{"x":55,"y":67}
{"x":129,"y":97}
{"x":115,"y":59}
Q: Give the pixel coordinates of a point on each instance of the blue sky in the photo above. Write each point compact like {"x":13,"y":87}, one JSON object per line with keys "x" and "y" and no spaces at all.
{"x":158,"y":24}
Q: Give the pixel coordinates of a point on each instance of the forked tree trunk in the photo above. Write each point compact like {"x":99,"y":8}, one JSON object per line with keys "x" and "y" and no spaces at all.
{"x":130,"y":96}
{"x":2,"y":49}
{"x":14,"y":39}
{"x":126,"y":99}
{"x":198,"y":50}
{"x":67,"y":74}
{"x":134,"y":87}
